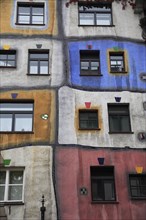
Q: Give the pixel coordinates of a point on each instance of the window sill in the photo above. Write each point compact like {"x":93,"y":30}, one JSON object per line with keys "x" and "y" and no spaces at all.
{"x":29,"y":24}
{"x":86,"y":25}
{"x":11,"y":203}
{"x":104,"y":202}
{"x":130,"y":132}
{"x":29,"y":74}
{"x":8,"y":67}
{"x":16,"y":132}
{"x":121,"y":72}
{"x":91,"y":75}
{"x":89,"y":129}
{"x":138,"y":198}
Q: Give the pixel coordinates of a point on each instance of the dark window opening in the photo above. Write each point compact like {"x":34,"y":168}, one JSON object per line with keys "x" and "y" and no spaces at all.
{"x":117,"y":63}
{"x":88,"y":119}
{"x":8,"y":58}
{"x":137,"y":186}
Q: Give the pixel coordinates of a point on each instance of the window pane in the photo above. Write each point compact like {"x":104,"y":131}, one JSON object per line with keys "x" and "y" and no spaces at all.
{"x":94,"y":65}
{"x":134,"y":192}
{"x":3,"y":56}
{"x":16,"y":106}
{"x":2,"y":177}
{"x":15,"y":193}
{"x":23,"y":19}
{"x":3,"y":62}
{"x":114,"y":123}
{"x":37,"y":19}
{"x":11,"y":57}
{"x":2,"y":192}
{"x":24,"y":10}
{"x":84,"y":65}
{"x":103,"y":19}
{"x":16,"y":177}
{"x":37,"y":11}
{"x":33,"y":67}
{"x":23,"y":122}
{"x":43,"y":67}
{"x":5,"y":122}
{"x":11,"y":63}
{"x":108,"y":190}
{"x":125,"y":124}
{"x":86,"y":19}
{"x":39,"y":56}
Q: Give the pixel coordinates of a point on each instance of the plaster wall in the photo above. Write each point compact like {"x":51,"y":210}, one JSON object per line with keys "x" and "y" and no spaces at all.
{"x":43,"y":130}
{"x":18,"y":77}
{"x":8,"y":20}
{"x":71,"y":100}
{"x":135,"y":56}
{"x":122,"y":27}
{"x":37,"y":161}
{"x":73,"y":172}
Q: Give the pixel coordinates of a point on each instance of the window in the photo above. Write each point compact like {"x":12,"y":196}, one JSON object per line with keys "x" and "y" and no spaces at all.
{"x":16,"y":117}
{"x":95,"y":14}
{"x":117,"y":62}
{"x":8,"y":58}
{"x":102,"y":184}
{"x":39,"y":62}
{"x":88,"y":119}
{"x":89,"y":63}
{"x":119,"y":118}
{"x":137,"y":186}
{"x":30,"y":13}
{"x":11,"y":185}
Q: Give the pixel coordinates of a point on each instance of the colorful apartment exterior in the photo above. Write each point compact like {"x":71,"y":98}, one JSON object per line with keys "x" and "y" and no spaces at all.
{"x":72,"y":110}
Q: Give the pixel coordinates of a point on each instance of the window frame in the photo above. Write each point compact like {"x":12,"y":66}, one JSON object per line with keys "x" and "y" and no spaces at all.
{"x":30,"y":5}
{"x":111,"y":114}
{"x":135,"y":175}
{"x":103,"y":180}
{"x":29,"y":101}
{"x":88,"y":111}
{"x":38,"y":60}
{"x":121,"y":53}
{"x":82,"y":3}
{"x":7,"y":185}
{"x":7,"y":53}
{"x":92,"y":56}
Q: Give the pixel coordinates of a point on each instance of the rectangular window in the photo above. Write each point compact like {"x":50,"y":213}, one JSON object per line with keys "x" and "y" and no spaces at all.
{"x":38,"y":62}
{"x":11,"y":185}
{"x":117,"y":62}
{"x":137,"y":186}
{"x":8,"y":58}
{"x":30,"y":13}
{"x":88,"y":119}
{"x":95,"y":14}
{"x":119,"y":118}
{"x":16,"y":117}
{"x":89,"y":63}
{"x":102,"y":184}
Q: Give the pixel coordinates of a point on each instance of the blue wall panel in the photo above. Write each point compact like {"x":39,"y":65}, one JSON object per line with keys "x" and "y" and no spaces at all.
{"x":131,"y":81}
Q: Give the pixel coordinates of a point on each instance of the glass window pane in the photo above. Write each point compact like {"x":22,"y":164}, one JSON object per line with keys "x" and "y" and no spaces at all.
{"x":37,"y":11}
{"x":2,"y":177}
{"x":24,"y":10}
{"x":43,"y":67}
{"x":86,"y":19}
{"x":11,"y":57}
{"x":103,"y":19}
{"x":94,"y":65}
{"x":39,"y":56}
{"x":3,"y":56}
{"x":5,"y":122}
{"x":16,"y":106}
{"x":125,"y":124}
{"x":15,"y":193}
{"x":3,"y":62}
{"x":33,"y":67}
{"x":11,"y":63}
{"x":23,"y":122}
{"x":23,"y":19}
{"x":84,"y":65}
{"x":16,"y":177}
{"x":37,"y":19}
{"x":108,"y":190}
{"x":114,"y":123}
{"x":2,"y":192}
{"x":134,"y":192}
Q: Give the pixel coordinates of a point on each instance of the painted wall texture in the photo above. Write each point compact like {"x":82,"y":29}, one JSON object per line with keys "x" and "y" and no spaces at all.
{"x":73,"y":164}
{"x":135,"y":63}
{"x":43,"y":130}
{"x":120,"y":28}
{"x":8,"y":20}
{"x":17,"y":77}
{"x":37,"y":163}
{"x":71,"y":101}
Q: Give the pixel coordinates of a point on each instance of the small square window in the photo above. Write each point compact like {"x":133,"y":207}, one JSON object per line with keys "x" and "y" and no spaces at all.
{"x":119,"y":118}
{"x":137,"y":184}
{"x":8,"y":58}
{"x":16,"y":117}
{"x":95,"y":14}
{"x":102,"y":184}
{"x":89,"y":63}
{"x":30,"y":13}
{"x":11,"y":185}
{"x":88,"y":119}
{"x":38,"y":62}
{"x":117,"y":62}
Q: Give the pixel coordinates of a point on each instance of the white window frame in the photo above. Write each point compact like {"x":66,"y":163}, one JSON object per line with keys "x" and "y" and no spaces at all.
{"x":7,"y":185}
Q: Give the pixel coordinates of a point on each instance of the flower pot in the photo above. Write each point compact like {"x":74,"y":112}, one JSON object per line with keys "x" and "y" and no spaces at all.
{"x":88,"y":104}
{"x":139,"y":170}
{"x":100,"y":160}
{"x":6,"y":162}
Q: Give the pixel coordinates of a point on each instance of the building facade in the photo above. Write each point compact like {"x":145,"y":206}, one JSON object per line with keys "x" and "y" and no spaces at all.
{"x":72,"y":110}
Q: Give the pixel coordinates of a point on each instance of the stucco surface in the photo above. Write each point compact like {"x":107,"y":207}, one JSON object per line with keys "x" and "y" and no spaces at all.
{"x":37,"y":161}
{"x":43,"y":130}
{"x":71,"y":100}
{"x":73,"y":172}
